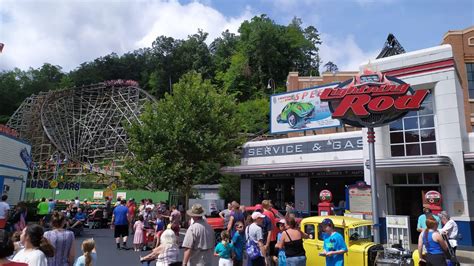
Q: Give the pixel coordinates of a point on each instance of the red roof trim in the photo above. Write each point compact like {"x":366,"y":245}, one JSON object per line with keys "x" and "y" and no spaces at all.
{"x":421,"y":68}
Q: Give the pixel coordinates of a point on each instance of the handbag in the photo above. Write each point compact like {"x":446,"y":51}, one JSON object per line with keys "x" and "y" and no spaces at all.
{"x":252,"y":249}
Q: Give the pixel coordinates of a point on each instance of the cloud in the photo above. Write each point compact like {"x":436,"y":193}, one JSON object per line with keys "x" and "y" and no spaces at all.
{"x":68,"y":33}
{"x":344,"y":52}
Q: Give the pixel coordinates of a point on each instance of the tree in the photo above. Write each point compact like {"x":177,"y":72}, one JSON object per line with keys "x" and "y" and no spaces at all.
{"x":185,"y":138}
{"x":331,"y":67}
{"x":254,"y":115}
{"x":230,"y":188}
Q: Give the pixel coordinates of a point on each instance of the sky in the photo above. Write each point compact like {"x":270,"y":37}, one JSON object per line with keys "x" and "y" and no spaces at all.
{"x":70,"y":32}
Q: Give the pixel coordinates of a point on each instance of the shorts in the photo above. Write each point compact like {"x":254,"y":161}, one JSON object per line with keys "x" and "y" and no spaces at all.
{"x":273,"y":251}
{"x":121,"y":230}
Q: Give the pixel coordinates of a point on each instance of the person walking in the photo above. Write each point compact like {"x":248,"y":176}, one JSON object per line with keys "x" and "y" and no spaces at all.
{"x":36,"y":247}
{"x":175,"y":220}
{"x":450,"y":229}
{"x":434,"y":243}
{"x":42,"y":210}
{"x":224,"y":249}
{"x":199,"y":239}
{"x":4,"y":208}
{"x":272,"y":233}
{"x":334,"y":246}
{"x":235,"y":216}
{"x":225,"y":214}
{"x":292,"y":241}
{"x":138,"y":228}
{"x":120,"y":222}
{"x":62,"y":241}
{"x":238,"y":242}
{"x":255,"y":246}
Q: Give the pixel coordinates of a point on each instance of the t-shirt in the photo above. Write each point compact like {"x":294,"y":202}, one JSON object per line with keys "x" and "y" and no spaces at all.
{"x":80,"y":216}
{"x":62,"y":241}
{"x":238,"y":244}
{"x":120,"y":215}
{"x":160,"y":224}
{"x":254,"y":233}
{"x":226,"y":213}
{"x":33,"y":257}
{"x":334,"y":242}
{"x":81,"y":261}
{"x":77,"y":203}
{"x":422,"y":221}
{"x":224,"y":251}
{"x":266,"y":228}
{"x":4,"y":208}
{"x":199,"y":235}
{"x":51,"y":206}
{"x":43,"y":208}
{"x":274,"y":228}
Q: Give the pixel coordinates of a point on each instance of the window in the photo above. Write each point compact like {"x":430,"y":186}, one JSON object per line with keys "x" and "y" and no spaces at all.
{"x":414,"y":134}
{"x":470,"y":79}
{"x":470,"y":41}
{"x":415,"y":178}
{"x":309,"y":229}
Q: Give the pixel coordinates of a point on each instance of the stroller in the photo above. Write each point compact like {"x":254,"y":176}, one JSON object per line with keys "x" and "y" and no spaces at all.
{"x":452,"y":259}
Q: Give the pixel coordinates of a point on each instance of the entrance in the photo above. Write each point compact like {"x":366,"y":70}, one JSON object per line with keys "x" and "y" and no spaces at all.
{"x":337,"y":186}
{"x":408,"y":200}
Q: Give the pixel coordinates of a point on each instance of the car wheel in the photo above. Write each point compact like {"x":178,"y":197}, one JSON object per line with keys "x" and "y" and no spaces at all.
{"x":293,"y":120}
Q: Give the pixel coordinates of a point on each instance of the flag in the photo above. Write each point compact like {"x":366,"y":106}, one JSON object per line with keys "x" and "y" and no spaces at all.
{"x":1,"y":47}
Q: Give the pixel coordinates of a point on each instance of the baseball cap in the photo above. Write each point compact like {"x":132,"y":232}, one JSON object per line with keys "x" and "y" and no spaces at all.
{"x":327,"y":221}
{"x":281,"y":221}
{"x":256,"y":215}
{"x":259,"y":207}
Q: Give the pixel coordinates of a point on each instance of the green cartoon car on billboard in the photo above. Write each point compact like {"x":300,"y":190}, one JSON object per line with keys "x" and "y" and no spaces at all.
{"x":296,"y":114}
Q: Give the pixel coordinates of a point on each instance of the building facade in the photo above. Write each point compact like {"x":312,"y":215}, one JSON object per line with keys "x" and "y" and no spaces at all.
{"x":431,"y":149}
{"x":13,"y":170}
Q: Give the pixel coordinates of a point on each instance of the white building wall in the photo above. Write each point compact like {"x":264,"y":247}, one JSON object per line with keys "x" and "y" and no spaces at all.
{"x":12,"y":167}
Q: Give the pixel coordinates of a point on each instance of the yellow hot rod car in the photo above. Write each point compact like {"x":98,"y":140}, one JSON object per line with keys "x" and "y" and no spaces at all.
{"x":357,"y":234}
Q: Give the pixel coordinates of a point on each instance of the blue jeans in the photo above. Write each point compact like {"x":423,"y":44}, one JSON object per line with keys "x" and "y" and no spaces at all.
{"x":296,"y":261}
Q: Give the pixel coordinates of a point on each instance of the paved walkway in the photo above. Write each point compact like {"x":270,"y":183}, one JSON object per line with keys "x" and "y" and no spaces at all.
{"x":107,"y":253}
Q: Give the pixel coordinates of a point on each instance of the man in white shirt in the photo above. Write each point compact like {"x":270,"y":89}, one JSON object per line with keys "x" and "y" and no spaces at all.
{"x":4,"y":208}
{"x":450,"y":228}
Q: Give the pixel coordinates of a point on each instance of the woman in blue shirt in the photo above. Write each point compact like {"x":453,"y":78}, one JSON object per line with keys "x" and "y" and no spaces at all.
{"x":334,"y":245}
{"x":434,"y":243}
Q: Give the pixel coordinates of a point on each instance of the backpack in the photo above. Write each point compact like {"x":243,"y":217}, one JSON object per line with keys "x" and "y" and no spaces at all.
{"x":252,"y":249}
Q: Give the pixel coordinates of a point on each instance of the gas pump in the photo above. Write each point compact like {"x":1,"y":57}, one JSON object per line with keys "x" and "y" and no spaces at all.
{"x":325,"y":206}
{"x":433,"y":198}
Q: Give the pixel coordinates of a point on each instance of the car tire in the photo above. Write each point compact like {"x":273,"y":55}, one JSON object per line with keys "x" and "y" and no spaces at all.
{"x":293,"y":120}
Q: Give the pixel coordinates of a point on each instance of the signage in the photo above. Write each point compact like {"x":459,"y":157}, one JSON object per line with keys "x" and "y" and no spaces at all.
{"x":26,"y":157}
{"x":108,"y":193}
{"x":360,"y":198}
{"x":433,"y":197}
{"x":334,"y":145}
{"x":340,"y":173}
{"x":325,"y":196}
{"x":46,"y":184}
{"x":372,"y":100}
{"x":300,"y":110}
{"x":122,"y":195}
{"x":98,"y":194}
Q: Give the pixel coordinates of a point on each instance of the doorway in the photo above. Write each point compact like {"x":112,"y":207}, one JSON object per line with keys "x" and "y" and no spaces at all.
{"x":408,"y":200}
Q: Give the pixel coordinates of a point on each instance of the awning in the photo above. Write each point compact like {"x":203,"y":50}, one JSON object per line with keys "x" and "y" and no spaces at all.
{"x":294,"y":167}
{"x":412,"y":162}
{"x":390,"y":163}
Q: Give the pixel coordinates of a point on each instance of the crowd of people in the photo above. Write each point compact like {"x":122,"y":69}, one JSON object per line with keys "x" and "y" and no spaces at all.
{"x":260,"y":238}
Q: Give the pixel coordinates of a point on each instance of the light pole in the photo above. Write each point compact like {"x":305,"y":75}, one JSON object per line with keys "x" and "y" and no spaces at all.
{"x":271,"y":84}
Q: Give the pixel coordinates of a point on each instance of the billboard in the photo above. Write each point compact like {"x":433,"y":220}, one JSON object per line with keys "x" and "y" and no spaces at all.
{"x":300,"y":110}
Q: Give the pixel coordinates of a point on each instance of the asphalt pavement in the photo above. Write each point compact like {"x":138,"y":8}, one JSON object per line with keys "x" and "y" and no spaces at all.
{"x":107,"y":253}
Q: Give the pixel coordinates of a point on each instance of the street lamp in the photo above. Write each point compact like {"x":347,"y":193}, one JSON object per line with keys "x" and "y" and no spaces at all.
{"x":271,"y":85}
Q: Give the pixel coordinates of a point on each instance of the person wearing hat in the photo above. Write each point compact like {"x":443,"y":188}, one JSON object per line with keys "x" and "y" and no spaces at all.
{"x":280,"y":258}
{"x":254,"y":233}
{"x":421,"y":225}
{"x":334,"y":246}
{"x":199,"y":240}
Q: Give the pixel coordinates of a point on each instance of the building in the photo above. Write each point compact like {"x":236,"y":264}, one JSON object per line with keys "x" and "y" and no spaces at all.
{"x":13,"y":169}
{"x":431,"y":149}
